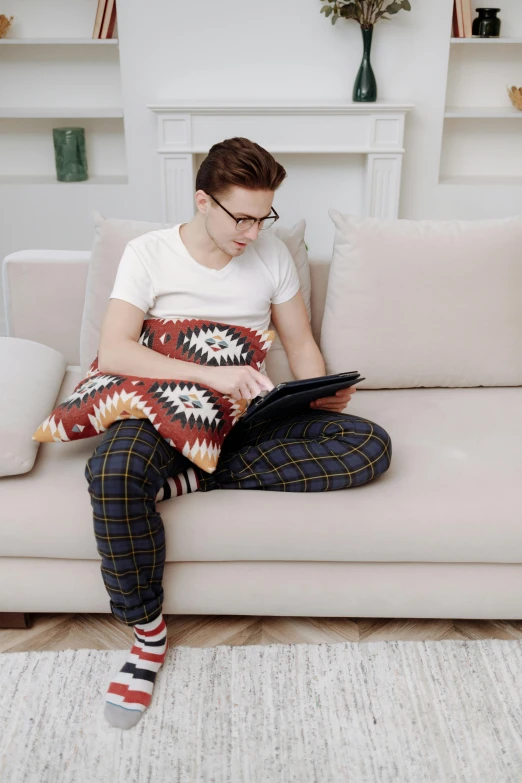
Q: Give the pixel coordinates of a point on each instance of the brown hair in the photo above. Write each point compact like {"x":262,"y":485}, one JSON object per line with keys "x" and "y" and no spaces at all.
{"x":239,"y":162}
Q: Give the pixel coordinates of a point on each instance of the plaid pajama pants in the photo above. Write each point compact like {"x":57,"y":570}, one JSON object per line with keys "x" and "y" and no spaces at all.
{"x":311,"y":452}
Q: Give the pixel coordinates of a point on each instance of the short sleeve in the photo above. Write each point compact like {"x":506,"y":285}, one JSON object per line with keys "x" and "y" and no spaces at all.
{"x":133,"y":282}
{"x":289,"y":283}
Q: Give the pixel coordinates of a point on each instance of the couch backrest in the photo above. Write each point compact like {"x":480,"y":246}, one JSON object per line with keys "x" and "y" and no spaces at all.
{"x":319,"y":271}
{"x":44,"y":293}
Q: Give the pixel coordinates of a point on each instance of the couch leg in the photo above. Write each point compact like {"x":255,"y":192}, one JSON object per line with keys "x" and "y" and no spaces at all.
{"x":15,"y":620}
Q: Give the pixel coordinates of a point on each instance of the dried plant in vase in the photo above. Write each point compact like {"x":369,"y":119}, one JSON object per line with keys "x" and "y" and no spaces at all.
{"x":367,"y":13}
{"x":5,"y":24}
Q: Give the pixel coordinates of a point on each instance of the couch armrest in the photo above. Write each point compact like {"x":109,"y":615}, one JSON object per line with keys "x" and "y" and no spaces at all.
{"x":44,"y":292}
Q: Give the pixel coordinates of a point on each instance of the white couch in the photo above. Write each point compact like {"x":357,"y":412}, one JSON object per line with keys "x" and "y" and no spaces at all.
{"x":438,"y":535}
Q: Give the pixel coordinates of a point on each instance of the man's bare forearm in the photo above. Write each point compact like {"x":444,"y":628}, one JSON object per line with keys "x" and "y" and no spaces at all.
{"x":307,"y":362}
{"x":132,"y":358}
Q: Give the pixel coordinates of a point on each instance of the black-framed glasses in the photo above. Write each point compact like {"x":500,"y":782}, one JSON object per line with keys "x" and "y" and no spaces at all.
{"x":243,"y":224}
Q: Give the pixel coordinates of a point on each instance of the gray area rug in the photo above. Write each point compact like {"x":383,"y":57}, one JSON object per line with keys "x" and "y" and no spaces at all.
{"x":379,"y":711}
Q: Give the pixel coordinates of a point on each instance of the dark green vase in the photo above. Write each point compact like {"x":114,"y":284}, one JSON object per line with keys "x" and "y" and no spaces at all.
{"x":365,"y":87}
{"x":69,"y":153}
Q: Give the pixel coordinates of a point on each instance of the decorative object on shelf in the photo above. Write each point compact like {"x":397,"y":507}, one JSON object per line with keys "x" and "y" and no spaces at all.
{"x":487,"y":25}
{"x":366,"y":13}
{"x":69,"y":151}
{"x":5,"y":24}
{"x":515,"y":93}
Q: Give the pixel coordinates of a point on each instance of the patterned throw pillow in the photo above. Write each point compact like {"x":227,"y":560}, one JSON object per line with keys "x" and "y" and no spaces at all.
{"x":193,"y":418}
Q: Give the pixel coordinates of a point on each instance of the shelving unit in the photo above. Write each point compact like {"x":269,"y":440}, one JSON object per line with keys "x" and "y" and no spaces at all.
{"x":478,"y":180}
{"x":19,"y":112}
{"x":480,"y":142}
{"x":486,"y":41}
{"x":54,"y":41}
{"x":20,"y":179}
{"x":55,"y":81}
{"x":483,"y":112}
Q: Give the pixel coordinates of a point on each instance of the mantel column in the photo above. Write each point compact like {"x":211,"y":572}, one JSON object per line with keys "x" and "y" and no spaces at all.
{"x":383,"y":169}
{"x":177,"y":166}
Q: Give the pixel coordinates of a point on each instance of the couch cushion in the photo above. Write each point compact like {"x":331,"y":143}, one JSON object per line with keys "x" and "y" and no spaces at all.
{"x":32,"y":374}
{"x":111,"y":237}
{"x":277,"y":365}
{"x":452,"y":494}
{"x":425,"y":303}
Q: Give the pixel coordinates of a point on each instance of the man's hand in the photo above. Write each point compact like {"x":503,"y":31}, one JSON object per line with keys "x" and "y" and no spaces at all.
{"x":336,"y":403}
{"x":240,"y":382}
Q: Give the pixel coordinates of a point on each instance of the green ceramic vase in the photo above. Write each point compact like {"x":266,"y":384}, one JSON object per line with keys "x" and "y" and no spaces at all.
{"x":69,"y":153}
{"x":365,"y":87}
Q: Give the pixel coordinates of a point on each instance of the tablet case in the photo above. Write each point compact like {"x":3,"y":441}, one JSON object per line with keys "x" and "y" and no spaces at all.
{"x":292,"y":397}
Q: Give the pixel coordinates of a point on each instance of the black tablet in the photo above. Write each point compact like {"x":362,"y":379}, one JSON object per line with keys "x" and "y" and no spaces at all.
{"x":295,"y":396}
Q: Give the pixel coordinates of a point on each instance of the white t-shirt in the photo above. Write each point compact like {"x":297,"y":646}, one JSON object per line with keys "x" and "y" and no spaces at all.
{"x":157,"y":274}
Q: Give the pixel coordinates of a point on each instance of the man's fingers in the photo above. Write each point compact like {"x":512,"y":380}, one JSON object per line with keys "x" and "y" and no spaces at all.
{"x":262,"y":379}
{"x":328,"y":400}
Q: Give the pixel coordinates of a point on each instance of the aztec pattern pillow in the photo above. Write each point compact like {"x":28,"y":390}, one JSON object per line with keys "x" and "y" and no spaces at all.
{"x":192,"y":417}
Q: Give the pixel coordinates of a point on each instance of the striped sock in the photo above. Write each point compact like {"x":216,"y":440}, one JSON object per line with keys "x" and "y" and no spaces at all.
{"x":130,"y":693}
{"x":185,"y":482}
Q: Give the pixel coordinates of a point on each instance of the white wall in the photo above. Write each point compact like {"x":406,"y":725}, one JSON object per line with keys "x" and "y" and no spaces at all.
{"x":240,"y":49}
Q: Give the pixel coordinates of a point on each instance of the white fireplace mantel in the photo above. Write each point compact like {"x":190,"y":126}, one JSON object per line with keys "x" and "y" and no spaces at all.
{"x":375,"y":130}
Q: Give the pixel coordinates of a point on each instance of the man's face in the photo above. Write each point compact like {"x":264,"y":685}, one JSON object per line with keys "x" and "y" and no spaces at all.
{"x":241,"y":203}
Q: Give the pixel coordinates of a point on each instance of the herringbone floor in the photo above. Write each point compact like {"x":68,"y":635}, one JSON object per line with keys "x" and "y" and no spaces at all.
{"x":103,"y":632}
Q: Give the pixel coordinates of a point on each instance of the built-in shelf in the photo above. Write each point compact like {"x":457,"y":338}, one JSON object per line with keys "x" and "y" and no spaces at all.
{"x":479,"y":135}
{"x":54,"y":41}
{"x":478,"y":40}
{"x":57,"y":84}
{"x":27,"y":179}
{"x":481,"y":180}
{"x":21,"y":112}
{"x":483,"y":112}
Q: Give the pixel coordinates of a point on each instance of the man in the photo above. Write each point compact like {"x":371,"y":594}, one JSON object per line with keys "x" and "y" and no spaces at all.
{"x":222,"y":265}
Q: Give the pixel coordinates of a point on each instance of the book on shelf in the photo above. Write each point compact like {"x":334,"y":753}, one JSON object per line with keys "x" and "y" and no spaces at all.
{"x":462,"y":19}
{"x":467,"y":17}
{"x":113,"y":23}
{"x":105,"y":19}
{"x":109,"y":19}
{"x":99,"y":18}
{"x":460,"y":25}
{"x":454,"y":22}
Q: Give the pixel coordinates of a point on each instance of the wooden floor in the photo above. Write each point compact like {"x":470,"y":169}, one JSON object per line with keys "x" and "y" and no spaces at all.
{"x":103,"y":632}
